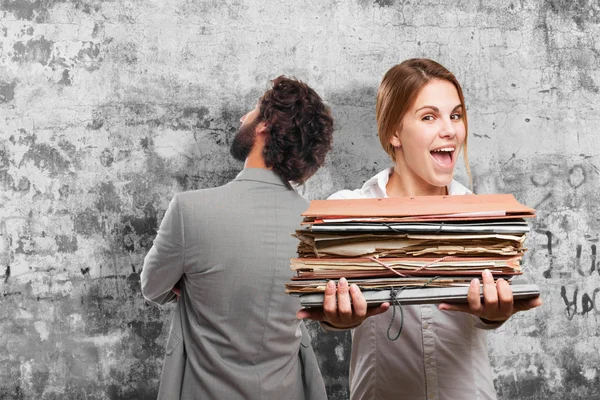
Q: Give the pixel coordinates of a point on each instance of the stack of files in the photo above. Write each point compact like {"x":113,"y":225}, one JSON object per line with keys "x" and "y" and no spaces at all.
{"x":433,"y":245}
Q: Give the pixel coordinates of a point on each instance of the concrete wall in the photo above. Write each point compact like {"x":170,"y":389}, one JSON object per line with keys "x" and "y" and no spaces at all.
{"x":109,"y":107}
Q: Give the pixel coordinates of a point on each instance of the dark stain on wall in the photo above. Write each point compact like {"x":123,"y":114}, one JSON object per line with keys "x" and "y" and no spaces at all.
{"x":25,"y":138}
{"x":552,"y":15}
{"x":65,"y":78}
{"x":573,"y":378}
{"x":133,"y":280}
{"x":149,"y":331}
{"x":98,"y":29}
{"x":89,"y":56}
{"x":67,"y":147}
{"x":7,"y":91}
{"x":384,"y":3}
{"x":587,"y":82}
{"x":12,"y":391}
{"x":22,"y":9}
{"x":143,"y":390}
{"x":108,"y":199}
{"x":25,"y":245}
{"x":126,"y":53}
{"x":38,"y":10}
{"x":137,"y":234}
{"x":4,"y":156}
{"x":540,"y":328}
{"x":5,"y":163}
{"x":23,"y":186}
{"x":39,"y":380}
{"x":66,"y":244}
{"x":87,"y":223}
{"x":106,"y":158}
{"x":579,"y":11}
{"x":526,"y":386}
{"x":192,"y":117}
{"x":35,"y":50}
{"x":6,"y":180}
{"x":99,"y":307}
{"x":27,"y":31}
{"x":97,"y":121}
{"x":46,"y":157}
{"x":135,"y":114}
{"x":64,"y":192}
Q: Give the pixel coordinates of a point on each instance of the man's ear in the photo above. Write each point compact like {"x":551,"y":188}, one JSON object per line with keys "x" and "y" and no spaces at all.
{"x":261,"y":129}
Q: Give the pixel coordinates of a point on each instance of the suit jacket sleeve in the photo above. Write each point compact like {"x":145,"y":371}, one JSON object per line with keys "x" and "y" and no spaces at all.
{"x":164,"y":263}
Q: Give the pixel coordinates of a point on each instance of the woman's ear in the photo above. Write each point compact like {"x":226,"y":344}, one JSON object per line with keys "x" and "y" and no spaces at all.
{"x":395,"y":140}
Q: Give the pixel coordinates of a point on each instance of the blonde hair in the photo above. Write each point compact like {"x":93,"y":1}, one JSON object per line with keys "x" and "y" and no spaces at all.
{"x":398,"y":91}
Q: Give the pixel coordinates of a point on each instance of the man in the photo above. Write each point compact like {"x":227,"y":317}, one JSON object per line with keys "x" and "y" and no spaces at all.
{"x":225,"y":251}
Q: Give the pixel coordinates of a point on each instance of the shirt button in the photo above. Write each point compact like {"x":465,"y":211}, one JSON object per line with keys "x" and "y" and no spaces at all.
{"x":425,"y":325}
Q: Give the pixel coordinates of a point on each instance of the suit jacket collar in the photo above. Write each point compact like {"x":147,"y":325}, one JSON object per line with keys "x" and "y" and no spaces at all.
{"x":260,"y":175}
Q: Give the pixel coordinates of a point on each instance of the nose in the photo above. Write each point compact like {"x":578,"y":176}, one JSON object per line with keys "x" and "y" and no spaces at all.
{"x":244,"y":117}
{"x":448,"y":128}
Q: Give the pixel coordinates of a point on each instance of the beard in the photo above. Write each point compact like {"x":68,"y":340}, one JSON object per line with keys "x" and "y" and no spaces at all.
{"x":243,"y":141}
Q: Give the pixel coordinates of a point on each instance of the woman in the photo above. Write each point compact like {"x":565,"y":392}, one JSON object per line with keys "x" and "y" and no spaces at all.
{"x":441,"y":354}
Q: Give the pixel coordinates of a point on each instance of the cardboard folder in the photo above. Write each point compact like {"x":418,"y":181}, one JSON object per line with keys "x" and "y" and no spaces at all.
{"x":467,"y":207}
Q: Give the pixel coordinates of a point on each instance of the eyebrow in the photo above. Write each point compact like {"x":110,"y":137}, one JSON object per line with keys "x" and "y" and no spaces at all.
{"x":434,"y":108}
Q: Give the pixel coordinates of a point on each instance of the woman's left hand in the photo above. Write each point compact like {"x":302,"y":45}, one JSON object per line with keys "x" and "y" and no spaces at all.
{"x":498,"y":303}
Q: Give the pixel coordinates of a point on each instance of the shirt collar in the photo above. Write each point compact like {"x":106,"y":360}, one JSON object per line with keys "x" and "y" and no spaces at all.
{"x":379,"y":182}
{"x":260,"y":175}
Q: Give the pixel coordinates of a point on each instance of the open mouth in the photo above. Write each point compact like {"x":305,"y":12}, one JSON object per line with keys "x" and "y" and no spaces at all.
{"x":443,"y":156}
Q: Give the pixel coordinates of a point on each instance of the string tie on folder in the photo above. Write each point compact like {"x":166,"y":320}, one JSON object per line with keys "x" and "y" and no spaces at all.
{"x":431,"y":263}
{"x":387,"y":266}
{"x":416,"y":270}
{"x":396,"y":302}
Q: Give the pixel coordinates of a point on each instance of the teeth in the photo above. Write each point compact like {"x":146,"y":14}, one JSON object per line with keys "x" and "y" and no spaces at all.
{"x":444,"y":149}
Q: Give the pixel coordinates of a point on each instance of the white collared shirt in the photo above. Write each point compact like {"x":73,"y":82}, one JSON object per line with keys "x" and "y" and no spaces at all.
{"x":440,"y":355}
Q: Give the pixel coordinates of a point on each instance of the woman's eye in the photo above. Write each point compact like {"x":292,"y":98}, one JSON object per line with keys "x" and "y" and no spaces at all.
{"x":456,"y":116}
{"x":428,"y":118}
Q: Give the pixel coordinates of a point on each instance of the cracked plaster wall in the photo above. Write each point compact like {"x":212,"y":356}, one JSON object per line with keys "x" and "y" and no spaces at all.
{"x":109,"y":107}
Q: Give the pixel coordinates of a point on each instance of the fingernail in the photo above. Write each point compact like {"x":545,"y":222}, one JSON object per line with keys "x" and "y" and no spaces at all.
{"x":343,"y":281}
{"x":475,"y":282}
{"x":330,"y":285}
{"x":353,"y":288}
{"x":487,"y":273}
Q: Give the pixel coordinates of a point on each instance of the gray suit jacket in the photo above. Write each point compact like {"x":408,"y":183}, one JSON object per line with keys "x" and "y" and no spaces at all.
{"x":234,"y":334}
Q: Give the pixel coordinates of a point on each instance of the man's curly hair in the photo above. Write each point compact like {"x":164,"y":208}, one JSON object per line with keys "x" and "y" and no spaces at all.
{"x":300,"y":129}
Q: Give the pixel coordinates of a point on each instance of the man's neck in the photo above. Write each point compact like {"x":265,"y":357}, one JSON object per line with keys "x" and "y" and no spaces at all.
{"x":255,"y":159}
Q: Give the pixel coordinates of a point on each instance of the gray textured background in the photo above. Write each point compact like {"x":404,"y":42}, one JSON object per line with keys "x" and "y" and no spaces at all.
{"x":109,"y":107}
